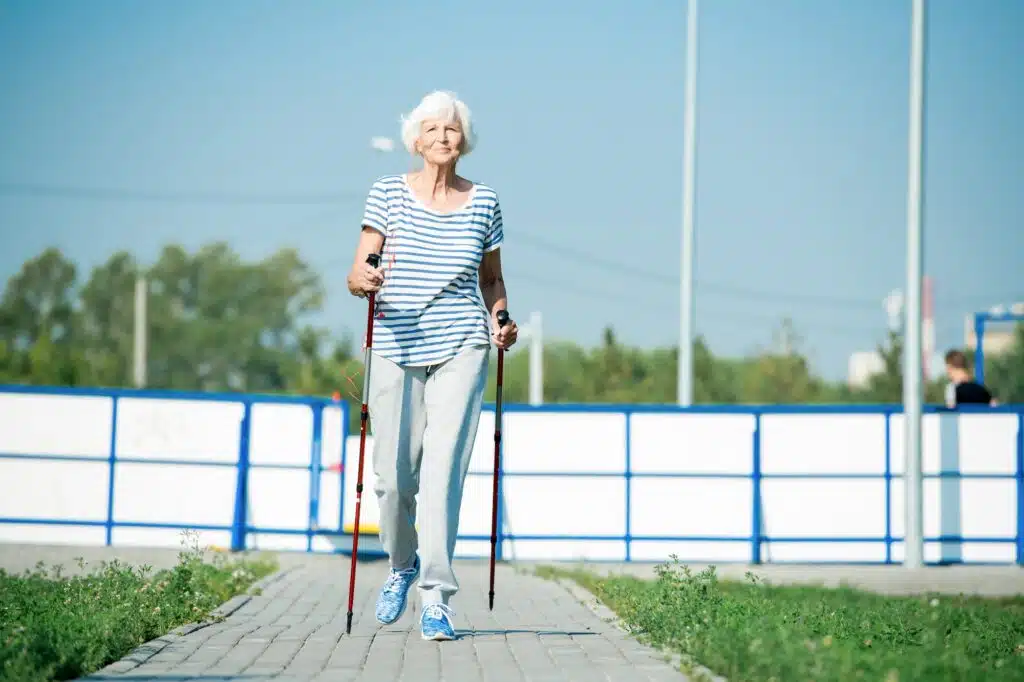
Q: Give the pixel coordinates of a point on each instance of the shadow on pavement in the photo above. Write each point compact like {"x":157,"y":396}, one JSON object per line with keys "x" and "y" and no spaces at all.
{"x":462,"y":634}
{"x":171,"y":677}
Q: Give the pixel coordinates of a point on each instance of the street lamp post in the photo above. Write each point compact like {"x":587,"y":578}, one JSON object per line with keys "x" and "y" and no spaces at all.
{"x":686,"y":296}
{"x":912,"y":392}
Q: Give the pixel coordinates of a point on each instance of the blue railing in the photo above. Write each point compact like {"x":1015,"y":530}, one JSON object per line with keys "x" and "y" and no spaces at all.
{"x":759,"y":540}
{"x":239,"y":527}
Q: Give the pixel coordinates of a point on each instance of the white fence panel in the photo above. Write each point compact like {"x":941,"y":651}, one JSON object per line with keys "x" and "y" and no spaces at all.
{"x":636,"y":483}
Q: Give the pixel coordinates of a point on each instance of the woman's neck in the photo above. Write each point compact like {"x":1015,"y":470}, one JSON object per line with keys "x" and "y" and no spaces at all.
{"x":437,"y":181}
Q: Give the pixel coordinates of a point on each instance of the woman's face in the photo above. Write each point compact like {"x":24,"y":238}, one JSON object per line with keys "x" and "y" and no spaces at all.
{"x":440,"y":140}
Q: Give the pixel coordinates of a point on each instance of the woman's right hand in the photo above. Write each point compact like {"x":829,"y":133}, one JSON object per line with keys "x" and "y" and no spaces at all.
{"x":365,"y":278}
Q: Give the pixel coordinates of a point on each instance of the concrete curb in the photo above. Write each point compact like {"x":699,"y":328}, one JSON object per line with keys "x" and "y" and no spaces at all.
{"x":146,"y":651}
{"x":677,"y":661}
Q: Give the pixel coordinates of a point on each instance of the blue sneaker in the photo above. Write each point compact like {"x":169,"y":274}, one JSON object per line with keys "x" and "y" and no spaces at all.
{"x":436,"y":622}
{"x":392,"y":600}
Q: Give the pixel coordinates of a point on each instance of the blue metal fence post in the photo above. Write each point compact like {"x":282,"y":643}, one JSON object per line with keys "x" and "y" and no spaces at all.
{"x":629,"y":489}
{"x":315,"y":462}
{"x":755,"y":535}
{"x":888,"y":487}
{"x":113,"y":464}
{"x":1020,"y":488}
{"x":240,"y":522}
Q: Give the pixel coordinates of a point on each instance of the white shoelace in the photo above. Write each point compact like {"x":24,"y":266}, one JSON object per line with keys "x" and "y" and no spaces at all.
{"x":438,"y":610}
{"x":395,"y":578}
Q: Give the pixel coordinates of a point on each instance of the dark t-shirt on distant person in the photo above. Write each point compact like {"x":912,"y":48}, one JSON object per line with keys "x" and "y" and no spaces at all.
{"x":970,"y":393}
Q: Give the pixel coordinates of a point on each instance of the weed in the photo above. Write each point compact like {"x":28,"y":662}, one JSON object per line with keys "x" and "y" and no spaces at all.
{"x":758,"y":632}
{"x":55,"y":627}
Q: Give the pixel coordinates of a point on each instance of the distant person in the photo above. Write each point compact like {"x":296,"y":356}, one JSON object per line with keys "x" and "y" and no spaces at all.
{"x":962,"y":388}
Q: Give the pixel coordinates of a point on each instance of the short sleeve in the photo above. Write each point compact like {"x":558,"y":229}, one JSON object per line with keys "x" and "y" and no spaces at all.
{"x":375,"y":212}
{"x":495,"y":231}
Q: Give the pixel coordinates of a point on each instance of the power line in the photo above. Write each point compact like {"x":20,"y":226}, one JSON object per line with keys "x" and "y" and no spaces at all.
{"x":167,"y":197}
{"x":705,"y":285}
{"x":636,"y":301}
{"x":640,"y":302}
{"x":335,"y":199}
{"x":728,"y":290}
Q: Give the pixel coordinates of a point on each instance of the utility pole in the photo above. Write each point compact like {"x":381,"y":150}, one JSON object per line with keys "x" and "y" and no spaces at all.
{"x":536,"y":359}
{"x":912,"y":396}
{"x":686,"y":296}
{"x":139,"y":365}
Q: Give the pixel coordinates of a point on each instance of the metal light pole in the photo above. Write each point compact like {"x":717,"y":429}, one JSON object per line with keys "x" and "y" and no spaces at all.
{"x":139,"y":365}
{"x":686,"y":298}
{"x":912,"y":397}
{"x":535,"y":335}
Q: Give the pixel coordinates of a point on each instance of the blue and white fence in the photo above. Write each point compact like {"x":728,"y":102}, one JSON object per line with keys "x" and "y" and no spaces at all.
{"x":720,"y":484}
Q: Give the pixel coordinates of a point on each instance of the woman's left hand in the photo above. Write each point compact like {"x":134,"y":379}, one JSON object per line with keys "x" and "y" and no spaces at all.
{"x":504,"y":336}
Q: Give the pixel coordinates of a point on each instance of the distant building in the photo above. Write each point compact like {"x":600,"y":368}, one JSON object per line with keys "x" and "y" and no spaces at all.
{"x":861,"y":366}
{"x":999,"y":336}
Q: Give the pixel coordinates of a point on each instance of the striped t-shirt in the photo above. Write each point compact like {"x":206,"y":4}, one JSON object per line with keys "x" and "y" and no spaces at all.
{"x":430,"y":306}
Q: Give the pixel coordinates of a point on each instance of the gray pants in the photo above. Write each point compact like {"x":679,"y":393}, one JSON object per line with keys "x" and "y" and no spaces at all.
{"x":424,"y":422}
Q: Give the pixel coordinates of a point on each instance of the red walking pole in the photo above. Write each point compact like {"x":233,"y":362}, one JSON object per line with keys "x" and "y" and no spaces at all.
{"x":374,"y":260}
{"x":503,"y":318}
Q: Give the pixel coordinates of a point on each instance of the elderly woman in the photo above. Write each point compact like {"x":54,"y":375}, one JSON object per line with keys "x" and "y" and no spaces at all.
{"x":439,"y":290}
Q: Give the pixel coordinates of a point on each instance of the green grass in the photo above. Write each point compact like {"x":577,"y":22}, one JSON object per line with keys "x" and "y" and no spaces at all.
{"x":59,"y":627}
{"x":754,"y":632}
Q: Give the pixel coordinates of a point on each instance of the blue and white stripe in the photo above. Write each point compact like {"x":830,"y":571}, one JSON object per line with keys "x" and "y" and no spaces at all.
{"x":430,"y":307}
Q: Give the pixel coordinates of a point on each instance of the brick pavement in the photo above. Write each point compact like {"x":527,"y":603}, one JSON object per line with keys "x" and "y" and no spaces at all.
{"x":295,"y":631}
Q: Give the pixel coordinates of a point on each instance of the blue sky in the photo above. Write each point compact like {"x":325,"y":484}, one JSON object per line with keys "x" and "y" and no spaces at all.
{"x":802,"y":148}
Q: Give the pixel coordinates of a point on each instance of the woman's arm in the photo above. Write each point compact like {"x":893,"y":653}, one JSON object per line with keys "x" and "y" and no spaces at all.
{"x":492,"y":286}
{"x":362,"y":279}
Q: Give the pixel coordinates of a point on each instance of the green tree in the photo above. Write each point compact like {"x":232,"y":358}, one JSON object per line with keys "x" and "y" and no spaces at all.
{"x":781,"y":375}
{"x":37,"y":320}
{"x":887,"y":385}
{"x":217,"y":323}
{"x":106,"y":323}
{"x":1004,"y":372}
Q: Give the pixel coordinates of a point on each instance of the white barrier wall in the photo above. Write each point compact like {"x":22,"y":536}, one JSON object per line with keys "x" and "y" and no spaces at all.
{"x":773,"y":484}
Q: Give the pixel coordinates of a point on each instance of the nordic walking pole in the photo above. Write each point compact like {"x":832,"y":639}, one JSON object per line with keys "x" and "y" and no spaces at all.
{"x":374,"y":260}
{"x":503,"y":318}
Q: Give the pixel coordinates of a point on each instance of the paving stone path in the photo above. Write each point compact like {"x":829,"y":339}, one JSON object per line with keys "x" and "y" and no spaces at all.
{"x":295,"y":631}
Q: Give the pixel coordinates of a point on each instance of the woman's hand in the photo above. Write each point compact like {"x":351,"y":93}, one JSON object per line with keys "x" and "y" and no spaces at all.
{"x":364,"y":278}
{"x":504,"y":336}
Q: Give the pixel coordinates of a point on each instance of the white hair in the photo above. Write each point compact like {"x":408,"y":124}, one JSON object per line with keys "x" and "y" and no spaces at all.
{"x":443,"y":105}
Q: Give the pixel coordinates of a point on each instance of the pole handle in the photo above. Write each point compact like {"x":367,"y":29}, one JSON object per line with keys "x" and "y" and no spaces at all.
{"x":503,"y":317}
{"x":374,"y":260}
